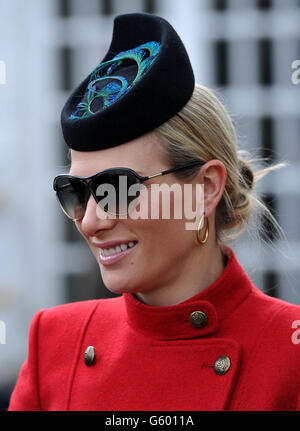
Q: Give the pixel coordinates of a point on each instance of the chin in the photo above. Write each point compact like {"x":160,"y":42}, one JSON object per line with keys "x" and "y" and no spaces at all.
{"x":118,"y":290}
{"x":118,"y":285}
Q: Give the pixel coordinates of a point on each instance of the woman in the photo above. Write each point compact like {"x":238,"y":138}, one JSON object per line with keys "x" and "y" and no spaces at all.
{"x":189,"y":331}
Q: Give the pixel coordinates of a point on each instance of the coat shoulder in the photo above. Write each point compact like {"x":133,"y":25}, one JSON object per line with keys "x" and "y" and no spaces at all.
{"x":270,"y":334}
{"x":67,"y":319}
{"x":273,"y":306}
{"x":277,"y":319}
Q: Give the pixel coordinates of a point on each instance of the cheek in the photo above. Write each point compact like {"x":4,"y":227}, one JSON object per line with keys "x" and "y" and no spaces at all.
{"x":162,"y":238}
{"x":168,"y":227}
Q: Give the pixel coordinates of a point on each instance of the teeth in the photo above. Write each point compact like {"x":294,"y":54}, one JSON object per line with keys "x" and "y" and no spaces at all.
{"x":117,"y":249}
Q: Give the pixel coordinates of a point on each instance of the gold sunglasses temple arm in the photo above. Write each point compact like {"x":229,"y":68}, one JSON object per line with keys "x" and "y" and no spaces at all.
{"x":169,"y":171}
{"x":155,"y":175}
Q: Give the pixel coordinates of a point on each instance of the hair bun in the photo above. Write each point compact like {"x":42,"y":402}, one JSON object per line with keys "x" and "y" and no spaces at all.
{"x":246,"y":173}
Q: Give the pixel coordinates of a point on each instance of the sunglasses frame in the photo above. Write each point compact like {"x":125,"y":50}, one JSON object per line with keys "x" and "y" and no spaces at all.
{"x":88,"y":181}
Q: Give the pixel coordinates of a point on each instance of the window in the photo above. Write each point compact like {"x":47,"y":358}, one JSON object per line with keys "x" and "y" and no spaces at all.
{"x":220,"y":5}
{"x":264,"y":4}
{"x":106,"y":7}
{"x":150,"y":6}
{"x":221,"y":62}
{"x":65,"y":67}
{"x":64,"y":8}
{"x":270,"y":283}
{"x":85,"y":286}
{"x":267,"y":137}
{"x":265,"y":62}
{"x":268,"y":233}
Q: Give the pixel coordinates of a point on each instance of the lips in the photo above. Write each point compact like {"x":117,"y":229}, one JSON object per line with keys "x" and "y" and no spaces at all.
{"x":113,"y":250}
{"x":112,"y":244}
{"x":108,"y":260}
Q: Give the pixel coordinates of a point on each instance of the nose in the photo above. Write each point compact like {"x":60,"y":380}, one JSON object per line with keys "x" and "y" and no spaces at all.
{"x":95,"y":219}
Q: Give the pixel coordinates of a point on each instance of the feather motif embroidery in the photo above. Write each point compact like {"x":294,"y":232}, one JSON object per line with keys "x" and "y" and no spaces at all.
{"x":143,"y":56}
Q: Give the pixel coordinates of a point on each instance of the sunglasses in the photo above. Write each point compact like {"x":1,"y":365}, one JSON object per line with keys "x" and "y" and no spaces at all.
{"x":73,"y":192}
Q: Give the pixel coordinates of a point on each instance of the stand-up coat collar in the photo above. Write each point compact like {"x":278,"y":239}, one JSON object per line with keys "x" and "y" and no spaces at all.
{"x":217,"y":301}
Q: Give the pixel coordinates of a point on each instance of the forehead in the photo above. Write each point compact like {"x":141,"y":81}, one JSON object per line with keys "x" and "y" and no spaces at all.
{"x":139,"y":154}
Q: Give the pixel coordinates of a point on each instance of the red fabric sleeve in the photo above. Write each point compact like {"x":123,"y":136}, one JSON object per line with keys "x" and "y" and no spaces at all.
{"x":25,"y":395}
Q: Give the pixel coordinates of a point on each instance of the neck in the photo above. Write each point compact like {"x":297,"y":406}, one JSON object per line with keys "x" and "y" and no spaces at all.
{"x":193,"y":279}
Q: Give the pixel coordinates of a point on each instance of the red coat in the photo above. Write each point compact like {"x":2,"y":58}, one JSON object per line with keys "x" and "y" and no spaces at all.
{"x":154,"y":358}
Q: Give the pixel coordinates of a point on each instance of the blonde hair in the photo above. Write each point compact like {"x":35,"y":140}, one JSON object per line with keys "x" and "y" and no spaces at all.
{"x":203,"y":130}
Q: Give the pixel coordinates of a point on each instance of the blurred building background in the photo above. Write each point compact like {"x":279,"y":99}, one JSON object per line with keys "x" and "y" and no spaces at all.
{"x":243,"y":49}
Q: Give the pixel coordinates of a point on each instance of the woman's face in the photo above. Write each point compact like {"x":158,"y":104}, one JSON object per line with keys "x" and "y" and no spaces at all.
{"x":164,"y":247}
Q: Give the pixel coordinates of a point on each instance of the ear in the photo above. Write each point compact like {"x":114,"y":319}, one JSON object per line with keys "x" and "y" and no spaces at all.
{"x":213,"y":175}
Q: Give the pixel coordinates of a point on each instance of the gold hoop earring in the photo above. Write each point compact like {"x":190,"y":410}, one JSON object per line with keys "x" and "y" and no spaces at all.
{"x":202,"y":241}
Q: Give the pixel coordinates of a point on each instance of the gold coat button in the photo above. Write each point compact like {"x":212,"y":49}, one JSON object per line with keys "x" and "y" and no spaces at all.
{"x":222,"y":365}
{"x":198,"y":319}
{"x":89,"y":356}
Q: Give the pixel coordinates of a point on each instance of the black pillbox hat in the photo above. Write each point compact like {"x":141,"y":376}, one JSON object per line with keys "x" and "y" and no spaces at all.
{"x":144,"y":79}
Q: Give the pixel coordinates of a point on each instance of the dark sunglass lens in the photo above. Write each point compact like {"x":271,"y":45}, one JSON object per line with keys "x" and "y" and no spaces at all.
{"x":73,"y":196}
{"x":115,"y":190}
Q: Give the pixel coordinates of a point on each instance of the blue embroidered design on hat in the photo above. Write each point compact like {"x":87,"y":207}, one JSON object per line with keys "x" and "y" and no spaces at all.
{"x":99,"y":96}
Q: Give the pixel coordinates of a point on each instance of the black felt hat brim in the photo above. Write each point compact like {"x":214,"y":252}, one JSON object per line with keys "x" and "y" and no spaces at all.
{"x":161,"y":92}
